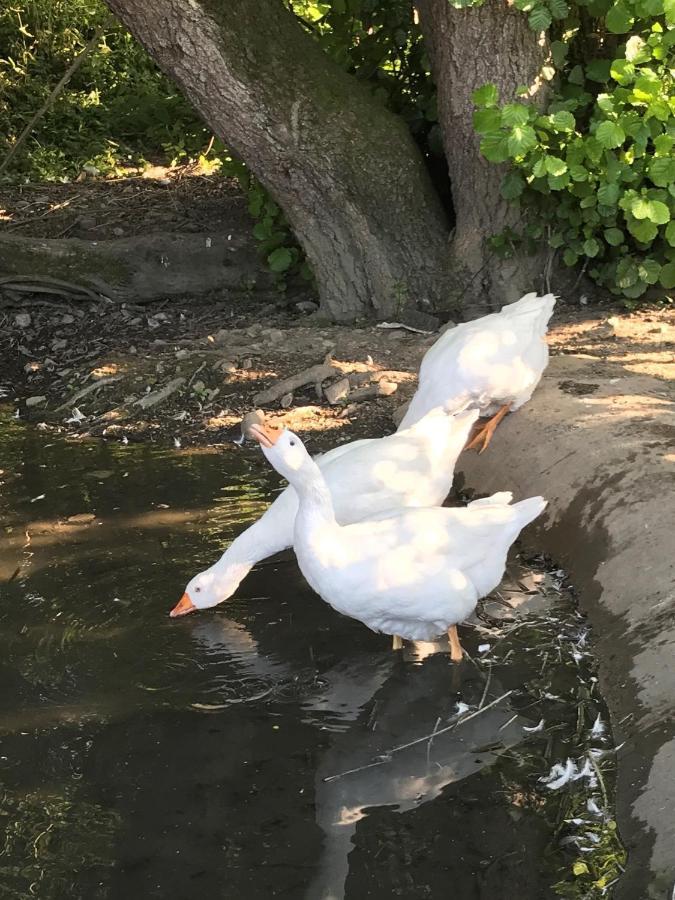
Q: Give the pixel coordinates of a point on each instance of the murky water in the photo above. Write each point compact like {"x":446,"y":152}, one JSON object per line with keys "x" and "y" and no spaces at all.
{"x":146,"y":757}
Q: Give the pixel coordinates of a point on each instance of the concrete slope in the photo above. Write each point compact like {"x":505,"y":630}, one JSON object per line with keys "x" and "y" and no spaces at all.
{"x":598,"y":441}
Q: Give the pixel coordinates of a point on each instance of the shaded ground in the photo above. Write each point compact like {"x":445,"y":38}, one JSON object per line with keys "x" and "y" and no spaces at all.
{"x":228,"y":347}
{"x":225,"y":356}
{"x":179,"y":200}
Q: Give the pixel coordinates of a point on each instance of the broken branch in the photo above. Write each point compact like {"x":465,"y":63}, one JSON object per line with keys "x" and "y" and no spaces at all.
{"x":313,"y":375}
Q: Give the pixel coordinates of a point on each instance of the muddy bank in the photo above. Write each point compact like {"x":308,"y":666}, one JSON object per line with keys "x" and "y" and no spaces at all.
{"x":171,"y":372}
{"x":598,"y":440}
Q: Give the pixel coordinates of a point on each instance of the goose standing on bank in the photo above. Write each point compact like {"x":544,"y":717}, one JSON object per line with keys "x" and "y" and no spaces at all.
{"x":413,"y":467}
{"x":412,"y":573}
{"x":494,"y":362}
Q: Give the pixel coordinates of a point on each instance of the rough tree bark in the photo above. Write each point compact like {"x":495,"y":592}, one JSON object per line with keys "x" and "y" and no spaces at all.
{"x":345,"y":171}
{"x":469,"y":48}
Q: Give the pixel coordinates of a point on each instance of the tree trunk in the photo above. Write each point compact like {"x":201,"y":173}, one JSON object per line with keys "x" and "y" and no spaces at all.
{"x":344,"y":170}
{"x":492,"y":43}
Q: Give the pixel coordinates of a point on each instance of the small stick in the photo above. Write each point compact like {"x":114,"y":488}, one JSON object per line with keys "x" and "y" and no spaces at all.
{"x":431,"y":739}
{"x":601,"y":781}
{"x":487,"y":685}
{"x":309,"y":376}
{"x":387,"y":756}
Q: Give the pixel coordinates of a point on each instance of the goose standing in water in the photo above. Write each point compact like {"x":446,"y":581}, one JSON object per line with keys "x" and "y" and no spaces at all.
{"x":413,"y":467}
{"x":411,"y":573}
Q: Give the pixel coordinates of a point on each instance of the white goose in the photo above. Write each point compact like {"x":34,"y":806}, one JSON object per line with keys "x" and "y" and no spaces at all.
{"x":413,"y":467}
{"x":411,"y":573}
{"x":495,"y":362}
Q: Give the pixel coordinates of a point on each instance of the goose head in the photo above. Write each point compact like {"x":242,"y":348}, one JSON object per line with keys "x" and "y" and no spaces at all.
{"x":209,"y":588}
{"x":283,"y":449}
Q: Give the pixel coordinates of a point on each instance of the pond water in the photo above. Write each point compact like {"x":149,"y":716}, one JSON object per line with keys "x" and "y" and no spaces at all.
{"x":147,"y":757}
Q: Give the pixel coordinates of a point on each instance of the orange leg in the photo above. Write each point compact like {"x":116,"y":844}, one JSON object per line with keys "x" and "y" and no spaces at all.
{"x":484,"y":436}
{"x":456,"y":652}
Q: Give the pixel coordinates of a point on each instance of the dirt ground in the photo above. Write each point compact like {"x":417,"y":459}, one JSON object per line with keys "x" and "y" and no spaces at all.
{"x":185,"y":372}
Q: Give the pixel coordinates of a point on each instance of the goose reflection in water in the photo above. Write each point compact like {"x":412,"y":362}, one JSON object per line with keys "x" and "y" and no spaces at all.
{"x":370,"y":705}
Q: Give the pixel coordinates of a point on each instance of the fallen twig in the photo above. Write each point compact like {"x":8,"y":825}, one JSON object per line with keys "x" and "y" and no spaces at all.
{"x":313,"y":375}
{"x":370,"y":391}
{"x":90,"y":388}
{"x":155,"y":397}
{"x":386,"y":757}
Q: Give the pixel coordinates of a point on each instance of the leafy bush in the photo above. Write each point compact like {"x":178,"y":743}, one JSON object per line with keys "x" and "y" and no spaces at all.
{"x":118,"y":107}
{"x":598,"y":168}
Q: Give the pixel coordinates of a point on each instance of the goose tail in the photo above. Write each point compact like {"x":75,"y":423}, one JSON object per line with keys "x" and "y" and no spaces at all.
{"x":538,"y":309}
{"x":528,"y":510}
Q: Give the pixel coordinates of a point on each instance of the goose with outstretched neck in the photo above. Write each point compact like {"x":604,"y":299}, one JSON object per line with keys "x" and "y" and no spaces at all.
{"x":414,"y":573}
{"x":413,"y":467}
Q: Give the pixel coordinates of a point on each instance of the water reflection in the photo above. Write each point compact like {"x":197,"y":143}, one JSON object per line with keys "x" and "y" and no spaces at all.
{"x":142,"y":757}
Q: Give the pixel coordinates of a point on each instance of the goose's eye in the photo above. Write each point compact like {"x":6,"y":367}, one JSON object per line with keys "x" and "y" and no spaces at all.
{"x":198,"y":589}
{"x":292,"y":443}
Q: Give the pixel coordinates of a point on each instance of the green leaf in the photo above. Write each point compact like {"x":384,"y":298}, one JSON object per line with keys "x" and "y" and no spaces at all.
{"x":591,"y":247}
{"x":559,"y":8}
{"x":494,"y":147}
{"x":649,"y":270}
{"x":280,"y":260}
{"x":555,"y":165}
{"x":539,"y":168}
{"x":622,"y":71}
{"x":513,"y":186}
{"x":559,"y":52}
{"x":515,"y":114}
{"x":556,"y":240}
{"x":570,"y":257}
{"x":646,"y":89}
{"x":598,"y":70}
{"x":580,"y":868}
{"x":662,"y":171}
{"x":667,"y":276}
{"x":576,"y":75}
{"x":488,"y":95}
{"x":521,"y":140}
{"x":606,"y":103}
{"x":578,"y":173}
{"x":562,"y":121}
{"x":558,"y":182}
{"x":663,"y":144}
{"x":619,"y":19}
{"x":658,"y":213}
{"x":540,"y":18}
{"x":610,"y":134}
{"x":614,"y":236}
{"x":262,"y":230}
{"x":642,"y":230}
{"x":669,"y":10}
{"x":670,"y":233}
{"x":626,"y":273}
{"x":487,"y":119}
{"x":608,"y":193}
{"x":640,"y":207}
{"x":660,"y":110}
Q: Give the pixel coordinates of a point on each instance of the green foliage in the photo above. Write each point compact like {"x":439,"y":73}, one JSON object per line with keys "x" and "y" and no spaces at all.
{"x":117,"y":110}
{"x":598,"y":169}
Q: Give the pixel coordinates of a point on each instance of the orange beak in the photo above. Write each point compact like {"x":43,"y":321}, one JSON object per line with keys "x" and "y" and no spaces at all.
{"x":183,"y":607}
{"x":265,"y":435}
